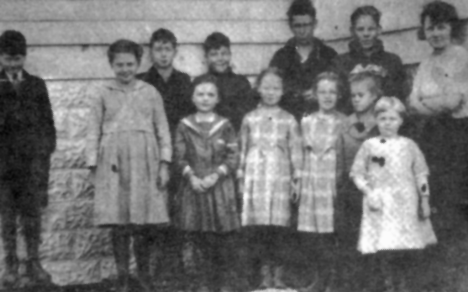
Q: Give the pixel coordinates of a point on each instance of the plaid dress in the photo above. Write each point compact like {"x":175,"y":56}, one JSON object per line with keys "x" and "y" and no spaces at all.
{"x":321,"y":145}
{"x":270,"y":159}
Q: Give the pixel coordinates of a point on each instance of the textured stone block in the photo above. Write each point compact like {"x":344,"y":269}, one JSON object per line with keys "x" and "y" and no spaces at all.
{"x":74,"y":272}
{"x":91,"y":244}
{"x":82,"y":185}
{"x":108,"y":269}
{"x":58,"y":246}
{"x":60,"y":185}
{"x":77,"y":123}
{"x":60,"y":122}
{"x":70,"y":215}
{"x":69,"y":154}
{"x":71,"y":93}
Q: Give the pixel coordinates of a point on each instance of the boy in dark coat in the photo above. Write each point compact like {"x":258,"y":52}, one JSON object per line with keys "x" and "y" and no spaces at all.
{"x":236,"y":97}
{"x":27,"y":139}
{"x":174,"y":87}
{"x":301,"y":59}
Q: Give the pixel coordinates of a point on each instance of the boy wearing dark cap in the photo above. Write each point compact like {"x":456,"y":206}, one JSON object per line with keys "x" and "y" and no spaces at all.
{"x":235,"y":94}
{"x":27,"y":139}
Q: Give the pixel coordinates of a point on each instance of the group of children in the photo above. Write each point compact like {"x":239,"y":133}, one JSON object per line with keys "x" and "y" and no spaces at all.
{"x":242,"y":163}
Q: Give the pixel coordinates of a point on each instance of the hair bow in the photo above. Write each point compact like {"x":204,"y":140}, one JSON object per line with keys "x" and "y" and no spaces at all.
{"x":379,"y":160}
{"x":371,"y":68}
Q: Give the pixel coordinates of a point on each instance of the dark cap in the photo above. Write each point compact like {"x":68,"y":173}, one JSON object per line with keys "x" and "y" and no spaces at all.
{"x":12,"y":42}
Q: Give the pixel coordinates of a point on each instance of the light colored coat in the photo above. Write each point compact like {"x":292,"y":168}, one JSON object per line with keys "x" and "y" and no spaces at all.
{"x":128,"y":136}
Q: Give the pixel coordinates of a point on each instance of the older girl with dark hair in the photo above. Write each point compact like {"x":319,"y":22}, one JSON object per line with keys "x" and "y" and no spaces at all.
{"x":440,"y":92}
{"x":128,"y":149}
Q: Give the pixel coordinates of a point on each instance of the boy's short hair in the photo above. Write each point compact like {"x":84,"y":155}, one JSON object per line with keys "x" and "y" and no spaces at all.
{"x":124,"y":46}
{"x":387,"y":103}
{"x":367,"y":10}
{"x":215,"y":41}
{"x":163,"y":35}
{"x":376,"y":86}
{"x":301,"y":7}
{"x":12,"y":43}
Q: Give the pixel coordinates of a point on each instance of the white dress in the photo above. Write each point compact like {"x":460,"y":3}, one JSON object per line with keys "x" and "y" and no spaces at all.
{"x":392,"y":169}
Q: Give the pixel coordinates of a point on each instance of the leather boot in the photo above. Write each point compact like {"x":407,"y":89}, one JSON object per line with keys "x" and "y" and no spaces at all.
{"x":278,"y":277}
{"x":267,"y":277}
{"x":9,"y":278}
{"x":35,"y":273}
{"x":142,"y":249}
{"x":121,"y":249}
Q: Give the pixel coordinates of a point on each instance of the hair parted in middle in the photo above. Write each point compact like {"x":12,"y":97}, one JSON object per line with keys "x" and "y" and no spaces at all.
{"x":124,"y":46}
{"x":207,"y":78}
{"x":270,"y":70}
{"x":330,"y":76}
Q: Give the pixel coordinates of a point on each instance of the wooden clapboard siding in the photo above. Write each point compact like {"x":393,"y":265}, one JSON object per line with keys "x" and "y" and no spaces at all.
{"x":77,"y":62}
{"x":110,"y":10}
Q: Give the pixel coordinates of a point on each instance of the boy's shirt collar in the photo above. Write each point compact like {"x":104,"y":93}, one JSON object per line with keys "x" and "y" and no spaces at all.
{"x":19,"y":76}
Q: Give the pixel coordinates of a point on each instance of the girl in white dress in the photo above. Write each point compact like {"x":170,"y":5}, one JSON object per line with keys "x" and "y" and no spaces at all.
{"x":392,"y":173}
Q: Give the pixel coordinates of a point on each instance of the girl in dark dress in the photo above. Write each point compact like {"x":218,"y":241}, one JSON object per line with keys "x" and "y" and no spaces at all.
{"x":207,"y":157}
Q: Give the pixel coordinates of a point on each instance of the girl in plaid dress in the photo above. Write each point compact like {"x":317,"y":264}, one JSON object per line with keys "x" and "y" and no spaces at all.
{"x":270,"y":161}
{"x":321,"y":171}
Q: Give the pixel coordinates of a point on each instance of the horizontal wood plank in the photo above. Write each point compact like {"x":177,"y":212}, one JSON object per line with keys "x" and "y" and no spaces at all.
{"x":77,"y":62}
{"x":111,"y":10}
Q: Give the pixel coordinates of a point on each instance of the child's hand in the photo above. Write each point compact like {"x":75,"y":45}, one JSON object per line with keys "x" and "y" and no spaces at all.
{"x":295,"y":194}
{"x":197,"y":184}
{"x":210,"y":180}
{"x":309,"y":95}
{"x":373,"y":201}
{"x":425,"y":208}
{"x":163,"y":177}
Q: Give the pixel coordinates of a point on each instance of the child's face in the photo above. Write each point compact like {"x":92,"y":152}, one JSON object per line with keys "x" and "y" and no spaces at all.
{"x":205,"y":97}
{"x":366,"y":31}
{"x":219,"y":60}
{"x":125,"y":66}
{"x":12,"y":63}
{"x":162,"y":54}
{"x":362,"y":96}
{"x":327,"y":95}
{"x":270,"y":89}
{"x":389,"y":122}
{"x":303,"y":26}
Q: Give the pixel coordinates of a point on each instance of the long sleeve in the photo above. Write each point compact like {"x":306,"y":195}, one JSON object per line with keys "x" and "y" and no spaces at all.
{"x":243,"y":142}
{"x":161,"y":127}
{"x":295,"y":149}
{"x":340,"y":161}
{"x":94,"y":130}
{"x":180,"y":149}
{"x":231,"y":157}
{"x":47,"y":120}
{"x":359,"y":170}
{"x":420,"y":170}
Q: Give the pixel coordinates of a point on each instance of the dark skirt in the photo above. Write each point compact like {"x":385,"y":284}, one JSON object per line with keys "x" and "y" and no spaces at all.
{"x":214,"y":211}
{"x":444,"y":142}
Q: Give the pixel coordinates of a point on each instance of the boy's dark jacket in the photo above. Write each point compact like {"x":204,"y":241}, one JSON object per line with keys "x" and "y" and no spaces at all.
{"x":299,"y":77}
{"x":175,"y":94}
{"x":236,"y":96}
{"x":394,"y":81}
{"x":27,"y":131}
